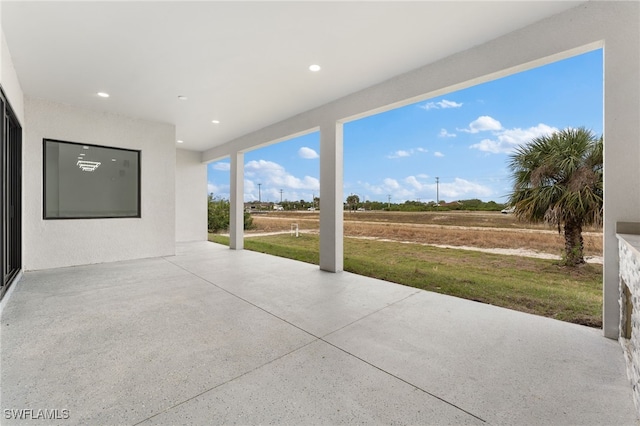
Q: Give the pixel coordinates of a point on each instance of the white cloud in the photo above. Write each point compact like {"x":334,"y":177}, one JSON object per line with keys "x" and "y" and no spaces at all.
{"x":307,"y":153}
{"x":444,"y":134}
{"x":389,"y":186}
{"x":224,"y":167}
{"x":262,"y":167}
{"x":399,"y":154}
{"x":273,"y":177}
{"x":449,"y":104}
{"x":438,"y":154}
{"x":481,"y":124}
{"x":461,"y":189}
{"x":507,"y":140}
{"x":218,"y":191}
{"x":406,"y":153}
{"x":443,"y":104}
{"x":424,"y":188}
{"x":414,"y":182}
{"x":391,"y":183}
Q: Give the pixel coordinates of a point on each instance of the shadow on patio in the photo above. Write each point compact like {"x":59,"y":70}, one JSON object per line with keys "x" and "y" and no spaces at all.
{"x":216,"y":336}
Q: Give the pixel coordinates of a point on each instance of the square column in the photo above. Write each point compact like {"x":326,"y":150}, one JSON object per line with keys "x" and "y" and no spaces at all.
{"x":331,"y":205}
{"x":236,"y":218}
{"x":621,"y":149}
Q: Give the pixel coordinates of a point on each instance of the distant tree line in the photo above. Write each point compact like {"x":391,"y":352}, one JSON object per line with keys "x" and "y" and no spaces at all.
{"x":354,"y":203}
{"x":219,"y":208}
{"x":292,"y":205}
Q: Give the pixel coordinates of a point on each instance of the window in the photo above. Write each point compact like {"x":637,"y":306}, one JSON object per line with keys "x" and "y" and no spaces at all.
{"x":83,"y":181}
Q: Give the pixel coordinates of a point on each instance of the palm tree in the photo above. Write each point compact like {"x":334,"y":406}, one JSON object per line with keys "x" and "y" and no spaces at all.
{"x":558,"y":180}
{"x":353,"y":200}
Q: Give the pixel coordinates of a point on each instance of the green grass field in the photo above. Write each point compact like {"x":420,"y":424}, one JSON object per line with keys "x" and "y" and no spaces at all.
{"x":536,"y":286}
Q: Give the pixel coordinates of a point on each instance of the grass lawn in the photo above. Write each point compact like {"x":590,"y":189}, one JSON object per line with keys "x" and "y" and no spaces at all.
{"x":536,"y":286}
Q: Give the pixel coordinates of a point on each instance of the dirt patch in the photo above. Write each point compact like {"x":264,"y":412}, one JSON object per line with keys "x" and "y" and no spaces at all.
{"x":540,"y":243}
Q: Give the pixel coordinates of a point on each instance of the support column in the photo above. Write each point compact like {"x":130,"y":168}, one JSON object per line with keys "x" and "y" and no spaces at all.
{"x":236,"y":218}
{"x":331,"y":206}
{"x":621,"y":149}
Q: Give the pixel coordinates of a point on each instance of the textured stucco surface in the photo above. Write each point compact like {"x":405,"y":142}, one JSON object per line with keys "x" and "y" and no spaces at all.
{"x":191,"y":197}
{"x":9,"y":79}
{"x":57,"y":243}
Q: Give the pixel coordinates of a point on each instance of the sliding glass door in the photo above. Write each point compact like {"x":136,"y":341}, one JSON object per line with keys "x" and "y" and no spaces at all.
{"x":10,"y":195}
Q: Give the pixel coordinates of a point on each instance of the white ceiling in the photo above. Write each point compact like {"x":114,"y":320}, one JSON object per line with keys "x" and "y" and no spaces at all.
{"x":242,"y":63}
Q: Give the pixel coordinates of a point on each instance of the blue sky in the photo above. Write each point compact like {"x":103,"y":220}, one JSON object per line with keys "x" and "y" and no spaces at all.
{"x":464,"y":138}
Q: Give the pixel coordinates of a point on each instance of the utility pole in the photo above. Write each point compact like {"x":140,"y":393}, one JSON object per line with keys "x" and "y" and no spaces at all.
{"x":389,"y":202}
{"x":437,"y":191}
{"x":259,"y":194}
{"x":281,"y":196}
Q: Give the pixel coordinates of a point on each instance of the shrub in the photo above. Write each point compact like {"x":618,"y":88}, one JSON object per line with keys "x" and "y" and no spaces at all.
{"x":219,"y":215}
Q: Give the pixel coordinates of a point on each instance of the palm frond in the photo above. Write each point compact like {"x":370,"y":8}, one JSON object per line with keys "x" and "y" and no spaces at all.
{"x":558,"y":177}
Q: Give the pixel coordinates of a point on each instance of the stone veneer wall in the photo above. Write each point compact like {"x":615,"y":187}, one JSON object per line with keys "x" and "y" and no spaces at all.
{"x":629,"y":255}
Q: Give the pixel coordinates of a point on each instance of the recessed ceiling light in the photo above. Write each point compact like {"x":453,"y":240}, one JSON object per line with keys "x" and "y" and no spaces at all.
{"x":215,"y":121}
{"x":88,"y":166}
{"x":85,"y":147}
{"x":182,"y":98}
{"x":113,"y":159}
{"x":103,"y":94}
{"x":79,"y":158}
{"x":82,"y":154}
{"x":314,"y":68}
{"x":179,"y":141}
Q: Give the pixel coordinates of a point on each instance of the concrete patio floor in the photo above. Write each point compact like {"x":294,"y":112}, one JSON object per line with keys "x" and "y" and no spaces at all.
{"x":216,"y":336}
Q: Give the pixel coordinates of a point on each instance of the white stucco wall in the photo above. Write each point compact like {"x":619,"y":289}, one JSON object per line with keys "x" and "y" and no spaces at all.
{"x":9,"y":80}
{"x":612,"y":25}
{"x":191,"y":197}
{"x":57,"y":243}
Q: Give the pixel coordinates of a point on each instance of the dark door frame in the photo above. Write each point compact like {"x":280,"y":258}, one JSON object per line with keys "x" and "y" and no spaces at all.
{"x":10,"y":195}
